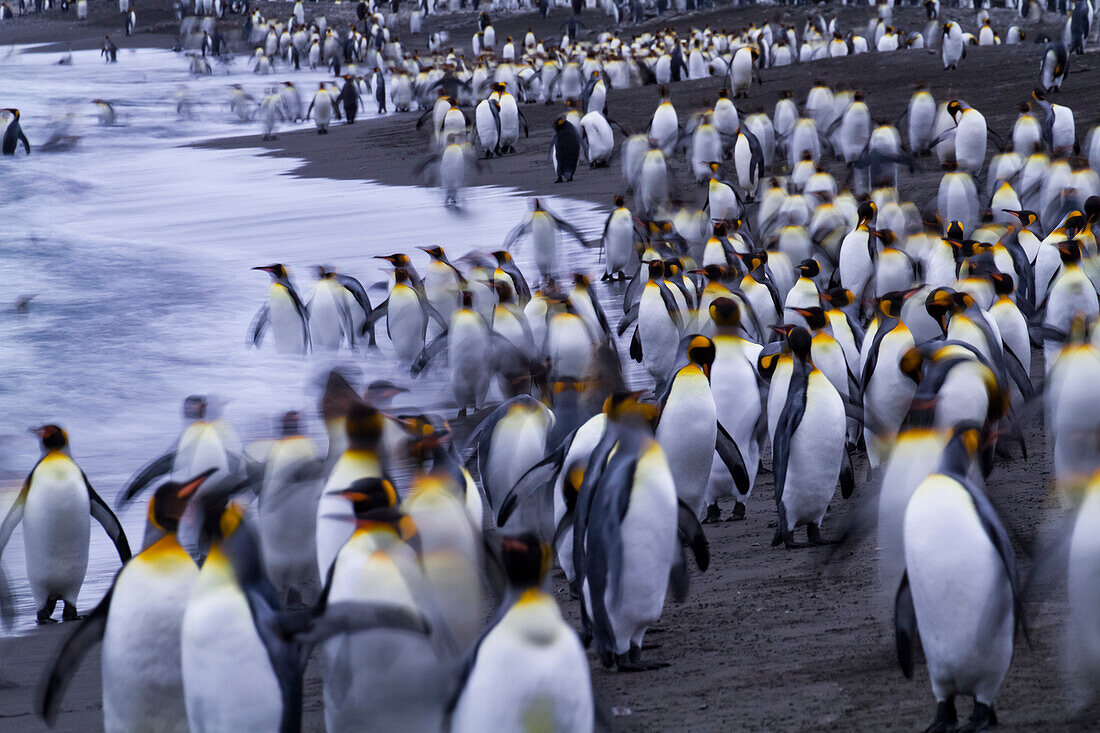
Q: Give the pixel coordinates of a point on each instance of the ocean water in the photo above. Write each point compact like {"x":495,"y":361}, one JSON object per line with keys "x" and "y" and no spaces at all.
{"x":137,"y":250}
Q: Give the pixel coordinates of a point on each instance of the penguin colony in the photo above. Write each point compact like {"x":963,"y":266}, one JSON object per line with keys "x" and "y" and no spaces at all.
{"x":819,"y":318}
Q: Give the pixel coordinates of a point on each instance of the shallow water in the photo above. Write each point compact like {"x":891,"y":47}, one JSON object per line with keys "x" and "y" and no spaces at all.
{"x":138,"y":250}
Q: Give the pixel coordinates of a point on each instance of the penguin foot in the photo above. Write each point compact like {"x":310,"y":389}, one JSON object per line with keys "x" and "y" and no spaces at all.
{"x":630,"y":662}
{"x":738,"y":513}
{"x":813,"y":534}
{"x":44,"y":618}
{"x":46,"y":612}
{"x":980,"y":719}
{"x":945,"y":719}
{"x":70,"y":614}
{"x":714,"y":514}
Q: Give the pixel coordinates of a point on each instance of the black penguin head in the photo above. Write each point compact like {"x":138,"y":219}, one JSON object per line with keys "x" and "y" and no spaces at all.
{"x":467,"y":299}
{"x":618,"y":201}
{"x":368,"y":495}
{"x":1002,"y":283}
{"x":290,"y":423}
{"x":890,"y":304}
{"x":954,"y":108}
{"x":725,"y":313}
{"x":809,"y":268}
{"x":1092,"y":208}
{"x":700,"y":351}
{"x":656,"y":269}
{"x":954,"y":231}
{"x":400,"y":275}
{"x":1069,"y":251}
{"x":815,"y":316}
{"x":52,"y":437}
{"x":866,"y":211}
{"x":525,"y":559}
{"x":194,"y":407}
{"x":364,"y":426}
{"x":799,"y":340}
{"x":276,"y":271}
{"x":503,"y":290}
{"x":170,"y":500}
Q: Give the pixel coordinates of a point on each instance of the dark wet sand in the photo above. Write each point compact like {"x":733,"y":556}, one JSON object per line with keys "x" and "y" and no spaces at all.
{"x":769,"y":639}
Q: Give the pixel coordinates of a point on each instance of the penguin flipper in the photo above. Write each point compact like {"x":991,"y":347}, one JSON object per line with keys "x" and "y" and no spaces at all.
{"x":905,"y":626}
{"x":429,"y":352}
{"x":88,"y":634}
{"x":539,"y":476}
{"x":692,"y":535}
{"x":734,"y":462}
{"x":636,"y":347}
{"x":847,"y":475}
{"x":103,"y":514}
{"x":259,"y":323}
{"x":1016,"y":370}
{"x":15,"y":514}
{"x":517,"y":231}
{"x":571,"y":231}
{"x":157,"y":468}
{"x":630,"y":316}
{"x":348,"y":617}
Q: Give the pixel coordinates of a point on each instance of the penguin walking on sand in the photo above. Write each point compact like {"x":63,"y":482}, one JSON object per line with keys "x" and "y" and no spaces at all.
{"x":283,"y":312}
{"x":738,"y":407}
{"x":565,"y":150}
{"x":138,"y":621}
{"x":808,"y":454}
{"x":529,"y":668}
{"x":689,"y":431}
{"x":960,"y":591}
{"x":13,"y":133}
{"x":349,"y":98}
{"x":54,"y":505}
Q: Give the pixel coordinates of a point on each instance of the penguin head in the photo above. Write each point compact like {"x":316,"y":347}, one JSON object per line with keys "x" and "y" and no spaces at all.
{"x":52,"y":437}
{"x":368,"y":495}
{"x":837,"y":297}
{"x":276,"y":271}
{"x":397,"y":260}
{"x":954,"y":232}
{"x":800,"y":342}
{"x":1026,"y":217}
{"x":526,"y":560}
{"x":194,"y":407}
{"x":625,"y":407}
{"x":954,"y":108}
{"x":435,"y":252}
{"x":1069,"y":251}
{"x":815,"y":316}
{"x":619,"y":201}
{"x":467,"y":299}
{"x":940,"y":304}
{"x":700,"y":352}
{"x":503,"y":290}
{"x":364,"y":426}
{"x":809,"y":268}
{"x":170,"y":500}
{"x":656,"y":269}
{"x":726,"y":313}
{"x":867,"y":210}
{"x":1002,"y":284}
{"x":290,"y":424}
{"x":890,"y":304}
{"x":1092,"y":208}
{"x":723,"y":93}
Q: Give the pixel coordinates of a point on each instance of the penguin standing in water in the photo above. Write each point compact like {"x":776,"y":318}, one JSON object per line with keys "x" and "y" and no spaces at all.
{"x":13,"y":134}
{"x":139,"y":621}
{"x":808,"y":453}
{"x":283,"y":312}
{"x":529,"y":669}
{"x":349,"y":97}
{"x":960,"y":590}
{"x":54,"y":505}
{"x":544,"y":226}
{"x":565,"y":150}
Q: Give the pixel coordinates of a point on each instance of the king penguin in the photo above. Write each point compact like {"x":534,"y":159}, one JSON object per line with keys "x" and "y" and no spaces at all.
{"x":529,"y":670}
{"x":960,"y":590}
{"x":284,"y":312}
{"x":139,"y":622}
{"x":54,"y":505}
{"x":808,"y":453}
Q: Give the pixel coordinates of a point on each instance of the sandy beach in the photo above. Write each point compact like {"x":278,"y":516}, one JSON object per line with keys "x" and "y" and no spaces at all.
{"x":768,"y":639}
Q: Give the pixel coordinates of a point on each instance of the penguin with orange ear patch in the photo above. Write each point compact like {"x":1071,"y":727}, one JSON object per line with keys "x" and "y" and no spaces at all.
{"x":139,"y":621}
